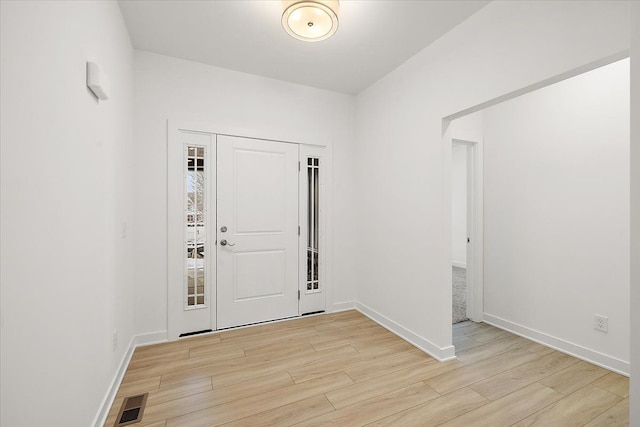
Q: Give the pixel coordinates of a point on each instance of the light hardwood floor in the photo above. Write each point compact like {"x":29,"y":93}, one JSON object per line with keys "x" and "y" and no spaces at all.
{"x":343,"y":369}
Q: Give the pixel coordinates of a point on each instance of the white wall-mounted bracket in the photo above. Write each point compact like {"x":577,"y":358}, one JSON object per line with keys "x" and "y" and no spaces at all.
{"x":97,"y":81}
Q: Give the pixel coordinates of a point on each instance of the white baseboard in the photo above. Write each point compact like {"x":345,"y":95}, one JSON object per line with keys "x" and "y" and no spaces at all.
{"x":564,"y":346}
{"x":440,"y":353}
{"x":343,"y":306}
{"x":103,"y":413}
{"x":459,"y":264}
{"x":151,"y":338}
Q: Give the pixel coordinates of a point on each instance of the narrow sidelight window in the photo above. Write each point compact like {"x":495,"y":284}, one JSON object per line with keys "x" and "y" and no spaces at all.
{"x":195,"y":226}
{"x":313,"y":215}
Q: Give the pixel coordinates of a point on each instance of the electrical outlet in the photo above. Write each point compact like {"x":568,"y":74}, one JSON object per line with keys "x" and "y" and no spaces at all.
{"x":115,"y":340}
{"x":600,"y":323}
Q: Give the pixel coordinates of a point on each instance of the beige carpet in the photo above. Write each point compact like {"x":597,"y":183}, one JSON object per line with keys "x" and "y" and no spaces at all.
{"x":459,"y":295}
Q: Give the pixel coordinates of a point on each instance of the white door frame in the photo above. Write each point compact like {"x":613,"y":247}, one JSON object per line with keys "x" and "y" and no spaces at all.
{"x":174,"y":128}
{"x":475,"y":228}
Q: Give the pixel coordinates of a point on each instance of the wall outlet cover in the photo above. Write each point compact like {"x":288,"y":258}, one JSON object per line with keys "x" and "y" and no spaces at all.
{"x":601,"y":323}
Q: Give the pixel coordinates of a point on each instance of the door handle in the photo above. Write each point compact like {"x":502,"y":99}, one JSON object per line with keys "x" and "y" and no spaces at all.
{"x":224,"y":242}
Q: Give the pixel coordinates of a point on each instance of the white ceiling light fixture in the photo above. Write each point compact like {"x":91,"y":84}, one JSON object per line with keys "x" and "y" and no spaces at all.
{"x":310,"y":21}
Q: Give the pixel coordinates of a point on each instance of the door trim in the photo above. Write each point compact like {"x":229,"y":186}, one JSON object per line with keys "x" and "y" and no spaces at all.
{"x":294,"y":137}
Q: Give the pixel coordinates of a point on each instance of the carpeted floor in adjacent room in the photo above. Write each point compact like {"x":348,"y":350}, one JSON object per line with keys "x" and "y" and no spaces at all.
{"x":459,"y":295}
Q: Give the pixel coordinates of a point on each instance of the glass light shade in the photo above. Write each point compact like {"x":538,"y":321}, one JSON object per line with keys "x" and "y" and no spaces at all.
{"x":311,"y":21}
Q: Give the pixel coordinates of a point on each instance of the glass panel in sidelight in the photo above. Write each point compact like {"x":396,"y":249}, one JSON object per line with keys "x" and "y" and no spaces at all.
{"x":195,"y":227}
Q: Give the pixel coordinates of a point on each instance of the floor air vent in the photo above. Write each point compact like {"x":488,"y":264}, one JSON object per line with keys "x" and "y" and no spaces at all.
{"x":131,"y":410}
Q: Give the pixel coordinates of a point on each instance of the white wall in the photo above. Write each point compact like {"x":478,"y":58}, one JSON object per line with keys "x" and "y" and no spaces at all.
{"x":468,"y":127}
{"x":635,"y":216}
{"x":65,"y":187}
{"x":459,"y":205}
{"x":404,"y":209}
{"x":556,"y":211}
{"x":183,"y":91}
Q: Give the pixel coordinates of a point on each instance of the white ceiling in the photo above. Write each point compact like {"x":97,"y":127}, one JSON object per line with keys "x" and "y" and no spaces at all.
{"x":373,"y":37}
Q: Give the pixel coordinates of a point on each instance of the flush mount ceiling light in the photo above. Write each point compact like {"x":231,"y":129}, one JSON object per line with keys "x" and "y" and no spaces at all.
{"x":310,"y":21}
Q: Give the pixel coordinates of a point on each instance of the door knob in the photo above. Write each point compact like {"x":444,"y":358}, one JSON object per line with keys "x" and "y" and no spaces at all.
{"x":224,"y":242}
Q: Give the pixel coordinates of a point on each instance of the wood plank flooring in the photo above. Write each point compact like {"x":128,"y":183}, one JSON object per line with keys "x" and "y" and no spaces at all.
{"x":343,"y":369}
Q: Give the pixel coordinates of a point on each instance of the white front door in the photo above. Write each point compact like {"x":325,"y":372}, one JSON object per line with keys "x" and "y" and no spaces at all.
{"x":257,"y":231}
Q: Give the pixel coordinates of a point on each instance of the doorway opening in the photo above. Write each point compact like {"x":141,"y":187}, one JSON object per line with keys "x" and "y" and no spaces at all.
{"x":466,"y":219}
{"x":459,"y":236}
{"x":555,"y":208}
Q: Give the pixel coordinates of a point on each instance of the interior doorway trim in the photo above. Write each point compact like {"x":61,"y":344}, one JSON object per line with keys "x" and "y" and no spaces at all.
{"x":310,"y":138}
